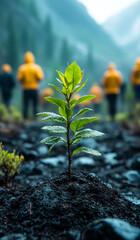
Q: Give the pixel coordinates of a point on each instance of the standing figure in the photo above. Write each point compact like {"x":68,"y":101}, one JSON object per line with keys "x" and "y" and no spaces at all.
{"x":47,"y":92}
{"x":98,"y":92}
{"x":135,"y":80}
{"x":112,"y":81}
{"x":29,"y":75}
{"x":7,"y":84}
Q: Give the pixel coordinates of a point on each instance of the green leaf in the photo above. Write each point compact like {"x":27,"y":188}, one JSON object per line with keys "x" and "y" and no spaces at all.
{"x":55,"y":88}
{"x":75,"y":140}
{"x":88,"y":133}
{"x":80,"y":123}
{"x":82,"y":111}
{"x":85,"y":98}
{"x":66,"y":112}
{"x":52,"y":141}
{"x":62,"y":77}
{"x":72,"y":102}
{"x":73,"y":76}
{"x":79,"y":87}
{"x":56,"y":101}
{"x":63,"y":112}
{"x":55,"y":129}
{"x":52,"y":117}
{"x":58,"y":80}
{"x":86,"y":150}
{"x":69,"y":112}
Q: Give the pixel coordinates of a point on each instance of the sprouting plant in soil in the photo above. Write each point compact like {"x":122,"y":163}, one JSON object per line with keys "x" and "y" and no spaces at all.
{"x":9,"y":165}
{"x":71,"y":83}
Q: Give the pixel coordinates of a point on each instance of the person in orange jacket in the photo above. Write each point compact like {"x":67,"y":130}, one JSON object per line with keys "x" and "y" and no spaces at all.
{"x":98,"y":92}
{"x":135,"y":80}
{"x":7,"y":83}
{"x":47,"y":92}
{"x":112,"y":81}
{"x":29,"y":75}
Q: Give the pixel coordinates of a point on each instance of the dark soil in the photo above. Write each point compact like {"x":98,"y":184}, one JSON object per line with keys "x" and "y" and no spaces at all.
{"x":54,"y":208}
{"x":44,"y":205}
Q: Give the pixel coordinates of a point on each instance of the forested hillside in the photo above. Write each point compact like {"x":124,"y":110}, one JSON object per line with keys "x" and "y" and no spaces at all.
{"x":125,"y":29}
{"x":57,"y":32}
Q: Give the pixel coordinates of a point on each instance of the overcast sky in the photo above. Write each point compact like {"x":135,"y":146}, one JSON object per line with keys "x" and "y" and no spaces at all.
{"x":101,"y":10}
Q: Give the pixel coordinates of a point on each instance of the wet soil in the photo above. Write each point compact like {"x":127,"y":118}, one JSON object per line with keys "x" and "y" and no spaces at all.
{"x":44,"y":205}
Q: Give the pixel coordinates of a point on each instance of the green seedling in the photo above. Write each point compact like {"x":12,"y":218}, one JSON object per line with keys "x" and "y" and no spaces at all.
{"x":71,"y":124}
{"x":9,"y":165}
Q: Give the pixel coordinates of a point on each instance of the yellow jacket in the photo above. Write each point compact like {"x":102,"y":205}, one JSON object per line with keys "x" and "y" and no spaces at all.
{"x":98,"y":92}
{"x":29,"y":74}
{"x":112,"y":80}
{"x":135,"y":75}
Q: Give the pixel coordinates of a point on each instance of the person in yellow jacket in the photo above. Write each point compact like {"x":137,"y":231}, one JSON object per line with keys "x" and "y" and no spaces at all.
{"x":98,"y":92}
{"x":135,"y":80}
{"x":112,"y":81}
{"x":29,"y":75}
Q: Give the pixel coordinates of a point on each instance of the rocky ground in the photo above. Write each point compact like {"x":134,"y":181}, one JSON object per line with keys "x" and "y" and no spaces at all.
{"x":44,"y":205}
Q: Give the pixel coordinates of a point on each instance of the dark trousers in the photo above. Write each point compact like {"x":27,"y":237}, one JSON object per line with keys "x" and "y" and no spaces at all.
{"x":6,"y":97}
{"x":30,"y":96}
{"x":137,"y":93}
{"x":112,"y":104}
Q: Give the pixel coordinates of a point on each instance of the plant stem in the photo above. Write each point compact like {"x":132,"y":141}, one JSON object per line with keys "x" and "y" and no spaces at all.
{"x":69,"y":145}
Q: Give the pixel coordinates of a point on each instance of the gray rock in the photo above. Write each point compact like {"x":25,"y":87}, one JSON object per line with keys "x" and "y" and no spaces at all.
{"x":133,"y":177}
{"x":14,"y":237}
{"x":110,"y":229}
{"x":54,"y":161}
{"x":110,"y":159}
{"x":42,"y":150}
{"x":84,"y":161}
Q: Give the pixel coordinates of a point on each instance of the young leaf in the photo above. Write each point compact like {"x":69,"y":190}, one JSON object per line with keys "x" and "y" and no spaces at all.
{"x":58,"y":80}
{"x":82,"y":111}
{"x":85,"y":98}
{"x":49,"y":116}
{"x":88,"y":133}
{"x":80,"y":123}
{"x":69,"y":112}
{"x":56,"y":88}
{"x":75,"y":140}
{"x":86,"y":150}
{"x":56,"y":101}
{"x":72,"y":102}
{"x":63,"y":112}
{"x":79,"y":87}
{"x":55,"y":129}
{"x":73,"y":76}
{"x":52,"y":140}
{"x":62,"y":77}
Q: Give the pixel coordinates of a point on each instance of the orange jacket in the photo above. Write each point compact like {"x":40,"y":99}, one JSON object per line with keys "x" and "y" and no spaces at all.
{"x":29,"y":74}
{"x":98,"y":92}
{"x":112,"y":80}
{"x":47,"y":92}
{"x":135,"y":75}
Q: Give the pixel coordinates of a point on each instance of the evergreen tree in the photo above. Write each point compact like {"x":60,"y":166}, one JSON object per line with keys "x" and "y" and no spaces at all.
{"x":90,"y":61}
{"x":65,"y":55}
{"x":13,"y":52}
{"x":49,"y":39}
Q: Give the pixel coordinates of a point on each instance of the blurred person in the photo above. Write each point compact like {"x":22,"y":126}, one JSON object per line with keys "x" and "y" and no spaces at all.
{"x":29,"y":75}
{"x":76,"y":96}
{"x":135,"y":80}
{"x":112,"y":81}
{"x":47,"y":92}
{"x":98,"y":92}
{"x":7,"y":83}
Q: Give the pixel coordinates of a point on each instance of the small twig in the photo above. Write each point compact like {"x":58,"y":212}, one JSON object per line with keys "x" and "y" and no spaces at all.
{"x":30,"y":208}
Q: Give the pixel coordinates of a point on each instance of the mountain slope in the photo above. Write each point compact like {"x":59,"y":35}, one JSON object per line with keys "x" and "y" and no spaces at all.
{"x":125,"y":28}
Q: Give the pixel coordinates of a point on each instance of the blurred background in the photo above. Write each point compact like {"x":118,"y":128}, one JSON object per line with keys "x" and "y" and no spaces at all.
{"x":92,"y":33}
